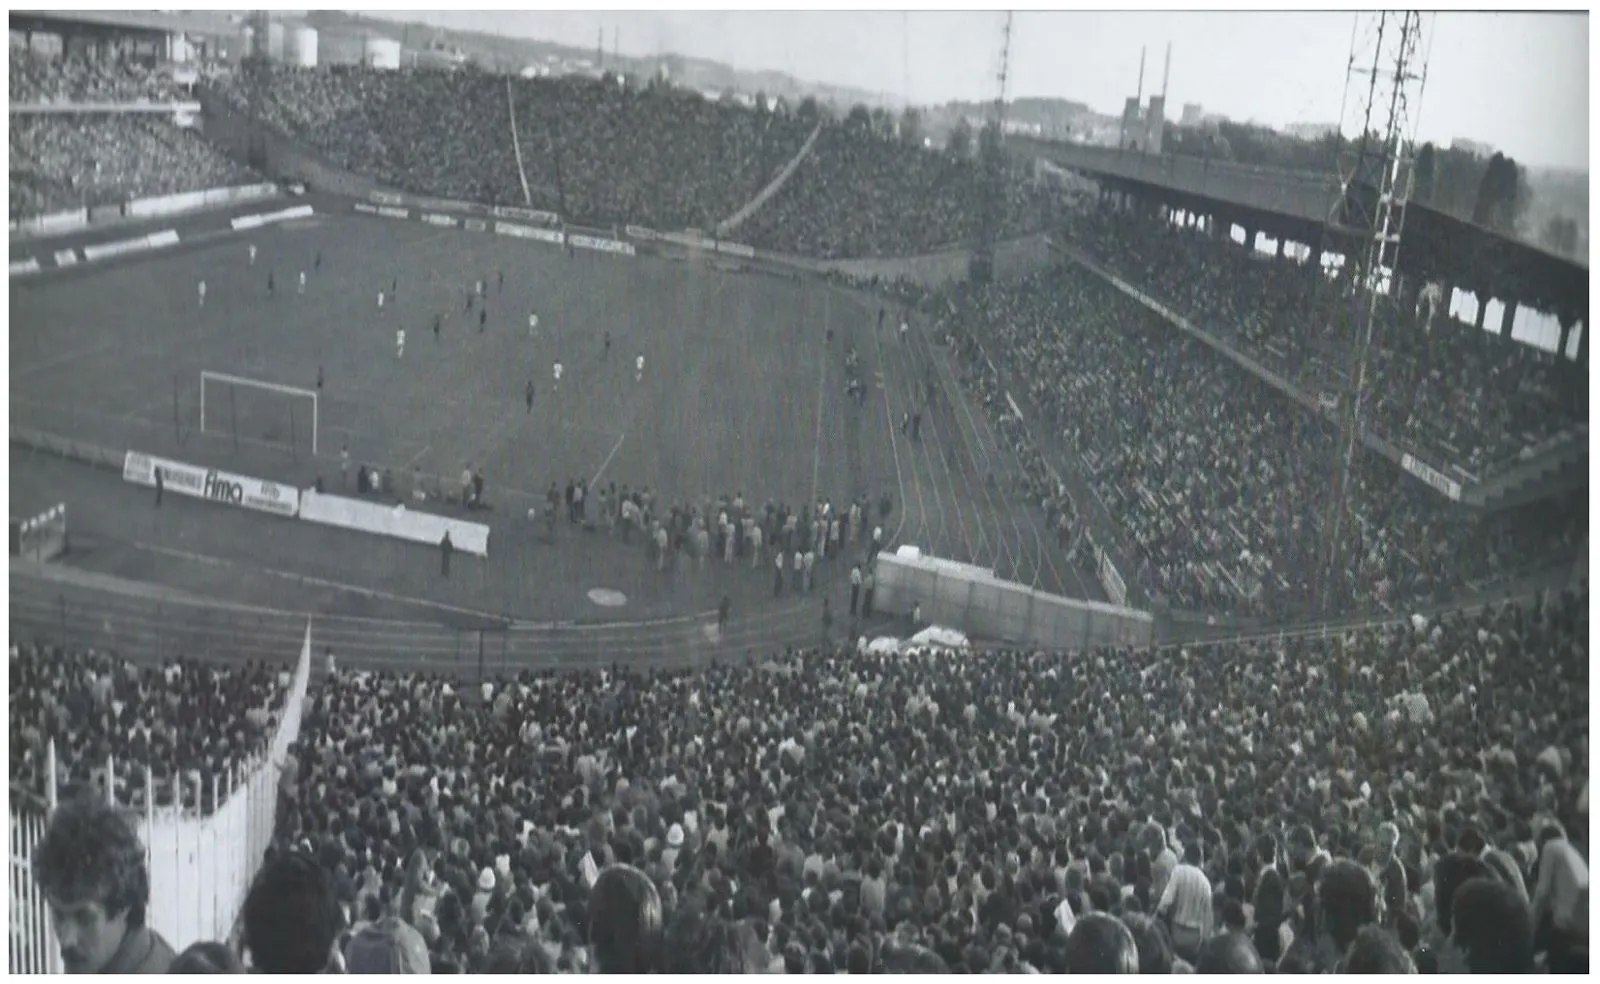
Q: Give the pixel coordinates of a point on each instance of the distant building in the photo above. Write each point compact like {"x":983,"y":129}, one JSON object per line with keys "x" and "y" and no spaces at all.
{"x":1144,"y":129}
{"x":1193,"y":114}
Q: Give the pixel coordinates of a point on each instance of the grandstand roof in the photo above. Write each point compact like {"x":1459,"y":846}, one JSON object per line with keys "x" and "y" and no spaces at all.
{"x":1282,"y":202}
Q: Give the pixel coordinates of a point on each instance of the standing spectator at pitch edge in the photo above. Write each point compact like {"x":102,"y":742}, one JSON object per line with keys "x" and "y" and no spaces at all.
{"x":445,"y":549}
{"x":91,"y":867}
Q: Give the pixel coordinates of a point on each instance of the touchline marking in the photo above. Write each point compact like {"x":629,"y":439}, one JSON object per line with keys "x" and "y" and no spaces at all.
{"x":317,"y":582}
{"x":607,"y":463}
{"x":418,"y":456}
{"x":822,"y":383}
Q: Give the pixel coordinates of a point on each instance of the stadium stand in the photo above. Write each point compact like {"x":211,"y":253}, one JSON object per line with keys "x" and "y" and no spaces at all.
{"x":186,"y":721}
{"x":846,"y":807}
{"x":864,"y":194}
{"x":1480,"y":405}
{"x":36,"y":79}
{"x":600,"y":152}
{"x":1405,"y":793}
{"x":75,"y":160}
{"x":1220,"y":483}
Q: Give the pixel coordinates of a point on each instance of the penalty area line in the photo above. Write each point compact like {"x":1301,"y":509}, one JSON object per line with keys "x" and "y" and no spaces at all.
{"x":607,"y":463}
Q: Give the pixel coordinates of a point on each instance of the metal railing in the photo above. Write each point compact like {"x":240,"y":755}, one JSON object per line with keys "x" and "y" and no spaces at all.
{"x":201,"y":850}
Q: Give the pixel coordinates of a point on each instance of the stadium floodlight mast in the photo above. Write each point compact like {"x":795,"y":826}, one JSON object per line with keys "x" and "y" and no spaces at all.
{"x":244,"y":382}
{"x":1382,"y":100}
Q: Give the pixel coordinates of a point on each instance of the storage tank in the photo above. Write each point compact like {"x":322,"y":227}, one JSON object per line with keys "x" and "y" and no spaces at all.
{"x":383,"y":53}
{"x":300,"y":47}
{"x":340,"y":49}
{"x":274,"y":48}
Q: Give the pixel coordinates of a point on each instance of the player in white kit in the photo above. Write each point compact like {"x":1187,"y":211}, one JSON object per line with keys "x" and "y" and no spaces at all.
{"x":557,"y":370}
{"x":202,"y":290}
{"x":252,"y":254}
{"x":533,"y":325}
{"x":638,"y":369}
{"x":380,"y":300}
{"x":399,"y":343}
{"x":302,"y":281}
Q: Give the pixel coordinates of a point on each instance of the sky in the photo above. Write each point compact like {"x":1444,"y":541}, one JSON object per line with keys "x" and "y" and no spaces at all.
{"x":1516,"y":81}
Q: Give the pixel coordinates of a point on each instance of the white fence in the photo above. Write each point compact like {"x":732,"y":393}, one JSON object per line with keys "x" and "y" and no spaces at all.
{"x":200,"y":864}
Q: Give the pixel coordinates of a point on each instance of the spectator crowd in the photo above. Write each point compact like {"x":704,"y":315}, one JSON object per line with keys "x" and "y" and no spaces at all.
{"x":189,"y":722}
{"x":1408,"y":796}
{"x":1219,"y":484}
{"x":609,"y":152}
{"x":1457,"y":395}
{"x":72,"y":160}
{"x":37,"y":79}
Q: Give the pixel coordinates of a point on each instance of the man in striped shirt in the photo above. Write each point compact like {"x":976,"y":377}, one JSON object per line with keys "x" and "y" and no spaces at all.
{"x":1186,"y":905}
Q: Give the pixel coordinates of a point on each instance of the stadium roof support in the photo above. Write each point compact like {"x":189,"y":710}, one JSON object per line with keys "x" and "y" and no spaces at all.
{"x":1385,"y":78}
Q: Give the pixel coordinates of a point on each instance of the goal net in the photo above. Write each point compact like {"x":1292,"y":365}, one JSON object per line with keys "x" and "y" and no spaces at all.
{"x":254,"y":411}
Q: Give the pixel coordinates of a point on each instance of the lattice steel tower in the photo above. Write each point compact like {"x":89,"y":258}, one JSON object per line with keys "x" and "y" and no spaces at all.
{"x":991,"y":168}
{"x":1382,"y":98}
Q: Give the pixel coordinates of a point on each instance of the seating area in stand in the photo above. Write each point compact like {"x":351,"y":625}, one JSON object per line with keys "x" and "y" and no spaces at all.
{"x":187,"y":721}
{"x":1479,"y":402}
{"x":1220,"y":483}
{"x":1370,"y":799}
{"x":608,"y":153}
{"x":69,"y":160}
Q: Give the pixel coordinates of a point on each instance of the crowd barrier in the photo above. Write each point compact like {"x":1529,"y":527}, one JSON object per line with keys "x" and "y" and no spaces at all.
{"x":393,"y":521}
{"x":199,"y":864}
{"x":191,"y":201}
{"x":53,"y":224}
{"x":245,"y":222}
{"x":124,"y":247}
{"x":42,"y":537}
{"x":973,"y":600}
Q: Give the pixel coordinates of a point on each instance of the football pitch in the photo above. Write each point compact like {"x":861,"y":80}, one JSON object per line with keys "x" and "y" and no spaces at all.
{"x":741,"y":392}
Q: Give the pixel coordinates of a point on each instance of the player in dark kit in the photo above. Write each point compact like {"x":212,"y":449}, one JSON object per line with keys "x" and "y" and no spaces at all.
{"x":500,"y":281}
{"x":527,"y":396}
{"x":608,"y":344}
{"x":272,"y":285}
{"x":436,"y":320}
{"x":483,"y":319}
{"x":316,"y":264}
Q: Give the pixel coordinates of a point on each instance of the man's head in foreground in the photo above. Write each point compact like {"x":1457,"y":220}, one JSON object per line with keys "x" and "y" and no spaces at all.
{"x":91,"y":867}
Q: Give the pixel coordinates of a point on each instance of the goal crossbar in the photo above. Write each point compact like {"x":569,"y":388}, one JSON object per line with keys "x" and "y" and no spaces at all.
{"x":206,"y":375}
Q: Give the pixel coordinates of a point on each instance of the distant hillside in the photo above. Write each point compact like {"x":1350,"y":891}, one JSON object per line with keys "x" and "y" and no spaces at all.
{"x":512,"y":54}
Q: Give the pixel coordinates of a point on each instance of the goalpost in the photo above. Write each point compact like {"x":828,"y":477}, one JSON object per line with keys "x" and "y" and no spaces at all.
{"x":259,"y":411}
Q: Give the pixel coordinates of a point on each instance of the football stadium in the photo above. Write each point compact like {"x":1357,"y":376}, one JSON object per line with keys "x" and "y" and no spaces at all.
{"x":563,"y":520}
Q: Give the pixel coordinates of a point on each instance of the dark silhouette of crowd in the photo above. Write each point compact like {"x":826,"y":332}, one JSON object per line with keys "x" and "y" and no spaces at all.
{"x":862,"y":193}
{"x":71,"y":160}
{"x":1454,"y":394}
{"x":1220,"y":484}
{"x":609,"y":152}
{"x":1410,"y":796}
{"x":190,"y":722}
